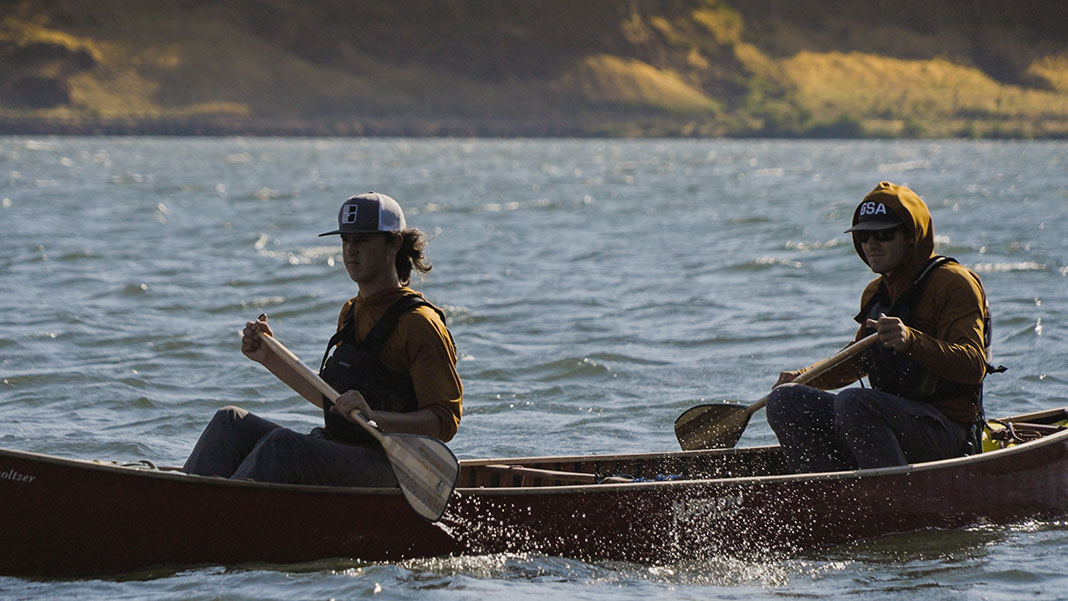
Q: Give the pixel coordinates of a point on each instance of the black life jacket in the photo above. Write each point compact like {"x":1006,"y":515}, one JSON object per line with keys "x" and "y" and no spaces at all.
{"x":896,"y":373}
{"x":355,"y":365}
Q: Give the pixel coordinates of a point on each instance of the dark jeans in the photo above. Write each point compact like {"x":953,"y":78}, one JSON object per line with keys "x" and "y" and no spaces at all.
{"x":237,"y":444}
{"x":859,"y":428}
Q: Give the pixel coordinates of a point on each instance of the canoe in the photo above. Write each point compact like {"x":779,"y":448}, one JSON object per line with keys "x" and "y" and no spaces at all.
{"x":63,"y":517}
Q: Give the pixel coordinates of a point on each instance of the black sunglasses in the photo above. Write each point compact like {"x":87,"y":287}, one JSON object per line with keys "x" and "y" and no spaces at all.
{"x":880,"y":235}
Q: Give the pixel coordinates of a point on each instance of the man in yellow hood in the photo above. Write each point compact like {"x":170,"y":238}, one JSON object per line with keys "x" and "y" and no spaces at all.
{"x":926,"y":369}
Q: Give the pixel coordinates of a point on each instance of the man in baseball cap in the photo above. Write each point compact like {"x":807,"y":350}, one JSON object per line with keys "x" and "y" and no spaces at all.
{"x":926,"y":369}
{"x":392,"y":358}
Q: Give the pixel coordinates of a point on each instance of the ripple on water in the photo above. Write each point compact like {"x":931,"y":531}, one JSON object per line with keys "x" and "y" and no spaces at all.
{"x":589,"y":310}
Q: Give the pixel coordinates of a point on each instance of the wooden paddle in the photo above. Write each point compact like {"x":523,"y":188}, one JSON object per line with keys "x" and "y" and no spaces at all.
{"x":720,"y":425}
{"x":425,"y":468}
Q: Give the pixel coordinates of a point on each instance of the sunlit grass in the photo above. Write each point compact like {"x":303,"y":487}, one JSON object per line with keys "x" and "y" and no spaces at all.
{"x":1054,"y":69}
{"x":934,"y":97}
{"x":23,"y":32}
{"x":612,"y":80}
{"x":697,"y":73}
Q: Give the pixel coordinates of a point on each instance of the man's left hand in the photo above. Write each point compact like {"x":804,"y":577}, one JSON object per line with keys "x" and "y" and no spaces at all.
{"x":893,"y":333}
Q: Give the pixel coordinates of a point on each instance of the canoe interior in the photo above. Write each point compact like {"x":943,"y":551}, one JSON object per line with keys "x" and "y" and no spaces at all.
{"x":604,"y":469}
{"x":535,"y":472}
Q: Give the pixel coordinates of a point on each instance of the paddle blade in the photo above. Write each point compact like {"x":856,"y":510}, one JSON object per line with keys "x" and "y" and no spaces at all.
{"x":426,"y":471}
{"x":711,"y":426}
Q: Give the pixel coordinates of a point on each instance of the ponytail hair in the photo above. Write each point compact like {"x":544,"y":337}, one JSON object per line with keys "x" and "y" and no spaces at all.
{"x":412,"y":255}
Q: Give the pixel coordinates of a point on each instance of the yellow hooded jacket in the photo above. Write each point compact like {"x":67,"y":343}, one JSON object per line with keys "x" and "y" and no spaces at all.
{"x":946,"y":324}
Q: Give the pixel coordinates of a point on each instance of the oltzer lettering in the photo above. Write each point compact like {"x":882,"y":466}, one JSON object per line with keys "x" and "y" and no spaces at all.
{"x":690,"y":509}
{"x":872,"y":208}
{"x":16,"y":476}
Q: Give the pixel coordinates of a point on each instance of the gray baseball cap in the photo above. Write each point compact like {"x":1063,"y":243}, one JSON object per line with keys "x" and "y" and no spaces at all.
{"x":368,"y":213}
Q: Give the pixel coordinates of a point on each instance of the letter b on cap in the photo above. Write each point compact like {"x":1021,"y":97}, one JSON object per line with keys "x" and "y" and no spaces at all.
{"x":348,"y":214}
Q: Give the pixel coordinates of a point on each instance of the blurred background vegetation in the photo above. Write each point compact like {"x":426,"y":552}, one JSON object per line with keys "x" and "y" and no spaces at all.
{"x":782,"y":68}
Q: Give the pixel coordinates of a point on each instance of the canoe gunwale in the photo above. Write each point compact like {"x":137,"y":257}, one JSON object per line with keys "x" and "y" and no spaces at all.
{"x":173,"y":473}
{"x":912,"y":468}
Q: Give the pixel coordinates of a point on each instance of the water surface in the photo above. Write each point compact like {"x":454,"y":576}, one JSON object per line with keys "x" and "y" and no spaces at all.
{"x":596,"y":289}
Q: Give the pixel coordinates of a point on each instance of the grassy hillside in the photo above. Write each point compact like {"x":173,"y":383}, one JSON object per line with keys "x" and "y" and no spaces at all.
{"x":536,"y":67}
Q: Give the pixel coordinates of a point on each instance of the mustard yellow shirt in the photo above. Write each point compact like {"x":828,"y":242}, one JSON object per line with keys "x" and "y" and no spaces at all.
{"x":419,"y":346}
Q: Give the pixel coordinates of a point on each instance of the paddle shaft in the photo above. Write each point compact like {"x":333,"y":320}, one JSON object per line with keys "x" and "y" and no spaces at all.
{"x":821,"y":368}
{"x":721,"y":425}
{"x":313,"y":378}
{"x":425,"y":468}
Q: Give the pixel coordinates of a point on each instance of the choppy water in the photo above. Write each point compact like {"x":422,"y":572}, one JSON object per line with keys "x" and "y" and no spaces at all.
{"x":596,"y":289}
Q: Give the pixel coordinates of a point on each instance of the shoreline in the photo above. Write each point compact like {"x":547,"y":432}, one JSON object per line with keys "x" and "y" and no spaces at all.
{"x":441,"y":128}
{"x":223,"y":126}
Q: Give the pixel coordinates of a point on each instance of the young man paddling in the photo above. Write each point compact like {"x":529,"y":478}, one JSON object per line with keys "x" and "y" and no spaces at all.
{"x":392,"y":359}
{"x":926,"y":370}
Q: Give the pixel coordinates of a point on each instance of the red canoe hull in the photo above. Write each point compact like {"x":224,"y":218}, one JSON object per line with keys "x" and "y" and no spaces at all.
{"x":71,"y":517}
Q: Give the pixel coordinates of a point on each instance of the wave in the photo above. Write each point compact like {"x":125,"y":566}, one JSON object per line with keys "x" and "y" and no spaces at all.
{"x":1009,"y":267}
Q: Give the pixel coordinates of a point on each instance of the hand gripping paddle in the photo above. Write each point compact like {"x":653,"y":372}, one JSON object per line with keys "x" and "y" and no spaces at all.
{"x":425,"y":468}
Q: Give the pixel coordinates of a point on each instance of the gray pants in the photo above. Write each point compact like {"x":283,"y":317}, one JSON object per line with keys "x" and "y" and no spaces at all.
{"x":237,"y":444}
{"x":823,"y":431}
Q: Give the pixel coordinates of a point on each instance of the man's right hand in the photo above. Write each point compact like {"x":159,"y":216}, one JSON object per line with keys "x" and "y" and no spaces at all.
{"x":251,"y":345}
{"x":786,"y":377}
